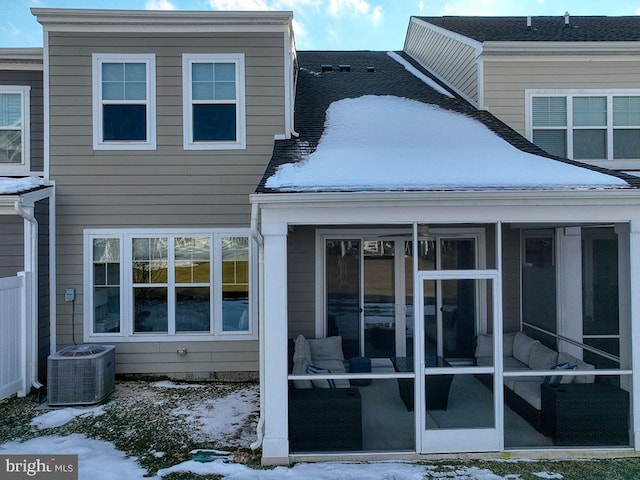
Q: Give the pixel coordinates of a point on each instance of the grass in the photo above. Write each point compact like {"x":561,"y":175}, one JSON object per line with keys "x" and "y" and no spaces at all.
{"x":143,"y":421}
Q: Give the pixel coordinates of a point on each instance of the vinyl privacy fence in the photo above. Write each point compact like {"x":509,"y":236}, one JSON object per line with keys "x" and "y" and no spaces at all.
{"x":13,"y":334}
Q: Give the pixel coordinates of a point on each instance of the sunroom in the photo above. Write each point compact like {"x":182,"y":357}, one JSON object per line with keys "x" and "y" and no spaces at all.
{"x":496,"y":313}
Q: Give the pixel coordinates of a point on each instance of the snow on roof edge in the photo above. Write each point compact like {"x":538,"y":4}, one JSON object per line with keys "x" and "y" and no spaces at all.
{"x":417,"y":73}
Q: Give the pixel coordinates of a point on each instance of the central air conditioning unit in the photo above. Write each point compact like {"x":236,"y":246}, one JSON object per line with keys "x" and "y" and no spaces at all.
{"x":81,"y":374}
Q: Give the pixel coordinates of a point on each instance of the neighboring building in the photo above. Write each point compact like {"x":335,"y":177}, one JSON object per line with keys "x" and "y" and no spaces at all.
{"x":570,"y":84}
{"x":161,"y":124}
{"x":25,"y":206}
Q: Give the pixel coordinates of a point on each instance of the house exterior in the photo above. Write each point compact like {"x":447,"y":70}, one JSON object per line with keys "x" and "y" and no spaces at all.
{"x":161,"y":124}
{"x":26,"y":200}
{"x":404,"y":268}
{"x":567,"y":83}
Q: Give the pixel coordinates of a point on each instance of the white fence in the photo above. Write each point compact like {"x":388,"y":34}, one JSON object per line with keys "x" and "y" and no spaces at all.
{"x":13,"y":334}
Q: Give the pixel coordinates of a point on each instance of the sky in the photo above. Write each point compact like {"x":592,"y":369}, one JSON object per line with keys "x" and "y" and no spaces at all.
{"x":319,"y":24}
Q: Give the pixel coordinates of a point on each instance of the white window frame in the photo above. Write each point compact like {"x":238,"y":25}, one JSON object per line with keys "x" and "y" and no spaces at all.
{"x":188,"y":59}
{"x":126,"y":333}
{"x":569,"y":94}
{"x":25,"y":119}
{"x":150,"y":61}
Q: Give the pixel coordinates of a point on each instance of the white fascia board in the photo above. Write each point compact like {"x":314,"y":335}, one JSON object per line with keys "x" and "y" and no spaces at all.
{"x":28,"y":199}
{"x":478,"y":46}
{"x":21,"y":59}
{"x":562,"y":50}
{"x":56,"y":19}
{"x":623,"y":196}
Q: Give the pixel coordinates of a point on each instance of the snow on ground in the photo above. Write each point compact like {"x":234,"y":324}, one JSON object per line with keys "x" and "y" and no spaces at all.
{"x":10,"y":185}
{"x":58,"y":417}
{"x":223,"y":417}
{"x":97,"y":460}
{"x":169,"y":384}
{"x":546,"y":475}
{"x":384,"y":143}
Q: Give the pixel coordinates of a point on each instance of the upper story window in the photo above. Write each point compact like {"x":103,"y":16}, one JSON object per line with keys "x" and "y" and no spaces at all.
{"x":213,"y":101}
{"x":589,"y":125}
{"x":151,"y":285}
{"x":14,"y":128}
{"x":124,"y":102}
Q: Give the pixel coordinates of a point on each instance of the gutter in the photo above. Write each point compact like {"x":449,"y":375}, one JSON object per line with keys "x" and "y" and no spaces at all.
{"x":32,"y":255}
{"x":257,"y":236}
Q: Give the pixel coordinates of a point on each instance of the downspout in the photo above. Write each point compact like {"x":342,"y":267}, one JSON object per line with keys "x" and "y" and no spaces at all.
{"x":33,"y":254}
{"x":257,"y":236}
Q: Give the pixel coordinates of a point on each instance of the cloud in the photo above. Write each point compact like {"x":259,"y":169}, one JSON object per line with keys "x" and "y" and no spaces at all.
{"x":159,"y":5}
{"x":239,"y":4}
{"x":299,"y":29}
{"x":421,"y":5}
{"x":340,"y":8}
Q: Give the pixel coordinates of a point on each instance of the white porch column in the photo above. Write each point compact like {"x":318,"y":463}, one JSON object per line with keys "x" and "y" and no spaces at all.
{"x":275,"y":445}
{"x":634,"y":273}
{"x":569,"y":289}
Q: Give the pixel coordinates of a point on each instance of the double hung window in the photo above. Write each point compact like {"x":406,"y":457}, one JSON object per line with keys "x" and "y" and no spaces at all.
{"x":124,"y":101}
{"x":213,"y":101}
{"x":169,"y":284}
{"x":14,"y":128}
{"x":589,"y":125}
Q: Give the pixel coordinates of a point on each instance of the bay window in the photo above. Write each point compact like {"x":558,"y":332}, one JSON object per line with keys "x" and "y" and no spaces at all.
{"x":163,"y":285}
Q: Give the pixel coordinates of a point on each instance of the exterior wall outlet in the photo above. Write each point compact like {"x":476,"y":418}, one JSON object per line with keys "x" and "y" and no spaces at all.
{"x":69,"y":294}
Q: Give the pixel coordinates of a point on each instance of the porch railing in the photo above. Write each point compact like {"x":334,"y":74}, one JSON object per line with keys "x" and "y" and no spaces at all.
{"x":13,"y":340}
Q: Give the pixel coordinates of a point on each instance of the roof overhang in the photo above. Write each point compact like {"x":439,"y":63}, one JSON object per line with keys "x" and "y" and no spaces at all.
{"x":21,"y":59}
{"x":85,"y":20}
{"x":28,"y":199}
{"x":375,"y":208}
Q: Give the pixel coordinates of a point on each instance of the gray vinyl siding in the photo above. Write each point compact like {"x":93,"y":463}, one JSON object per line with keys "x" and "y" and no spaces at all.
{"x":32,"y":79}
{"x":12,"y":245}
{"x":44,"y":337}
{"x":505,"y":82}
{"x":165,"y":188}
{"x":301,"y":282}
{"x":450,"y":59}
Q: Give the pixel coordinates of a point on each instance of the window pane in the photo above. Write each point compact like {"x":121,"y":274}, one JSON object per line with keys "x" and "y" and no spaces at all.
{"x":551,"y":141}
{"x":135,"y":91}
{"x":202,"y":72}
{"x":549,"y":111}
{"x":124,"y":122}
{"x":193,"y":309}
{"x":626,"y":144}
{"x":589,"y":111}
{"x":192,"y":260}
{"x":113,"y":90}
{"x":150,"y":309}
{"x":213,"y":123}
{"x":135,"y":72}
{"x":589,"y":144}
{"x":113,"y":72}
{"x":10,"y":110}
{"x":626,"y":111}
{"x":106,"y":309}
{"x":202,"y":91}
{"x":235,"y":284}
{"x":10,"y":146}
{"x":150,"y":260}
{"x":225,"y":91}
{"x":225,"y":72}
{"x":106,"y":250}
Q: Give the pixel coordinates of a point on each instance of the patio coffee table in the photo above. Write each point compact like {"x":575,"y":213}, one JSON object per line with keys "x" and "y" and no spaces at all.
{"x":436,"y":386}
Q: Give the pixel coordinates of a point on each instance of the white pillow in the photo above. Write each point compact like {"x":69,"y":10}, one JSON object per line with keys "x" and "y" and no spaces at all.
{"x":329,"y":348}
{"x":484,"y":345}
{"x":541,"y":357}
{"x":521,"y":347}
{"x":300,"y":368}
{"x":302,"y":349}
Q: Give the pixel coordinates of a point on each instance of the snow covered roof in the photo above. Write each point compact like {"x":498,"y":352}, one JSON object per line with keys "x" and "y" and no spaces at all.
{"x":15,"y":186}
{"x":386,"y":143}
{"x":391,"y":130}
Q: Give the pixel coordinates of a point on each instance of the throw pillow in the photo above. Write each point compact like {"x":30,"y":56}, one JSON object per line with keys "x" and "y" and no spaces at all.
{"x":522,"y":346}
{"x":556,"y":379}
{"x":323,"y":383}
{"x":541,"y":357}
{"x":329,"y":348}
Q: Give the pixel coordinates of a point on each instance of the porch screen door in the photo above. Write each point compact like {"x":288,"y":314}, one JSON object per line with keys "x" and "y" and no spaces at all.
{"x":460,"y":402}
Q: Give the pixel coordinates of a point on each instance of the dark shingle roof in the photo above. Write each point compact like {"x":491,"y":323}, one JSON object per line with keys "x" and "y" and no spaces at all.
{"x":317,"y":90}
{"x":543,"y":29}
